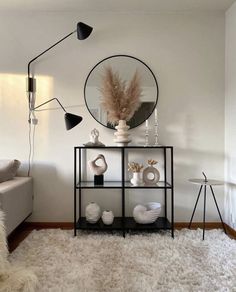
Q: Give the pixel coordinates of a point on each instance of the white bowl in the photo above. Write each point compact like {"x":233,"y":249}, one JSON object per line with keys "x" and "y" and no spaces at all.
{"x":147,"y":214}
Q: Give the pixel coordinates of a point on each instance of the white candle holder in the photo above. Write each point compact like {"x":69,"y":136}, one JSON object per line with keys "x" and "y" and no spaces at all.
{"x":156,"y":133}
{"x":146,"y":135}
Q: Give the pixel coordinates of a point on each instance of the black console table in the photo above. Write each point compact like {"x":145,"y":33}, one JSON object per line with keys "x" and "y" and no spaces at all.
{"x":123,"y":223}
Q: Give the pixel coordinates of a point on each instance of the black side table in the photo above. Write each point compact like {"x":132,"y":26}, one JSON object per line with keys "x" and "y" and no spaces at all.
{"x":206,"y":183}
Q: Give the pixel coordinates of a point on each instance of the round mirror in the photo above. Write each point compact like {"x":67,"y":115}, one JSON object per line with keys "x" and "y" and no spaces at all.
{"x":125,"y":67}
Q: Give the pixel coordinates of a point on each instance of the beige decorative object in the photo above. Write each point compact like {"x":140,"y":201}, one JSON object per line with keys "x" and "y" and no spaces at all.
{"x":92,"y":212}
{"x":151,"y":175}
{"x":107,"y":217}
{"x":147,"y":214}
{"x":122,"y":135}
{"x":135,"y":167}
{"x":8,"y":169}
{"x":120,"y":102}
{"x":94,"y":139}
{"x":98,"y":169}
{"x":137,"y":176}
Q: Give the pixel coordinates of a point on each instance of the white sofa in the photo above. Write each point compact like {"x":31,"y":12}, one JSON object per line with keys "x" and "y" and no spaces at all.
{"x":16,"y":200}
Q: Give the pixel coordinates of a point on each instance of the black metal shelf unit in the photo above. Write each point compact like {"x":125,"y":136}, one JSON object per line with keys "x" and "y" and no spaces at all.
{"x":123,"y":223}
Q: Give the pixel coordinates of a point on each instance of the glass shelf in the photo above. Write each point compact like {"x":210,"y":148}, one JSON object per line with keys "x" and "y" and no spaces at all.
{"x":107,"y":184}
{"x":118,"y":185}
{"x":159,"y":185}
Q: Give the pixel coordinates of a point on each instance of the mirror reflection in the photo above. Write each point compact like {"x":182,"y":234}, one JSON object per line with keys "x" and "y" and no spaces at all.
{"x":125,"y":66}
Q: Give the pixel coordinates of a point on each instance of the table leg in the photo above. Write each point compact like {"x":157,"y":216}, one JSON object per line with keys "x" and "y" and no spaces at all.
{"x":189,"y":226}
{"x":204,"y":213}
{"x":218,"y":209}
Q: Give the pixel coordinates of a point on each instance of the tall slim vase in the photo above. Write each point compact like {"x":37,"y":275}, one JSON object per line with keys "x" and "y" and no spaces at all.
{"x":122,"y":135}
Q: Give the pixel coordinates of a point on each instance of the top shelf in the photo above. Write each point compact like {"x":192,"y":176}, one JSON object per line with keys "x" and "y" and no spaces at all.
{"x":124,"y":147}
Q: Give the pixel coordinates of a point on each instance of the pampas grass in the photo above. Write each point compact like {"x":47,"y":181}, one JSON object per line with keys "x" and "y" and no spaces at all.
{"x":118,"y":100}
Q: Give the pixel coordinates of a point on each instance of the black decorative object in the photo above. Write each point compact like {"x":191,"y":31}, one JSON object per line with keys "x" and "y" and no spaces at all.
{"x":123,"y":223}
{"x":83,"y":31}
{"x":70,"y":120}
{"x":98,"y":180}
{"x":126,"y":66}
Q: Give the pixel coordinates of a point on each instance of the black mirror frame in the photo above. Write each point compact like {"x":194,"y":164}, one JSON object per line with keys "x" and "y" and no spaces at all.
{"x":113,"y":56}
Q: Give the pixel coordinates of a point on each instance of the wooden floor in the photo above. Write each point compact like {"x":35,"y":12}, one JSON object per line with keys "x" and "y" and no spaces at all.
{"x":25,"y":229}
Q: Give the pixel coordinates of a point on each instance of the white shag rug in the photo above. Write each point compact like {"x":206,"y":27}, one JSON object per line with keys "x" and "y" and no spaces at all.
{"x":13,"y":278}
{"x":139,"y":263}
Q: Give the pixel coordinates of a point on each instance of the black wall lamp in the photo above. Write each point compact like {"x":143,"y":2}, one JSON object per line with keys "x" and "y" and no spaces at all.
{"x":83,"y":31}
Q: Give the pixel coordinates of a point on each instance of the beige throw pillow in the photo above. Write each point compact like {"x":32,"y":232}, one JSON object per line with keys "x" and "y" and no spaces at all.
{"x":8,"y":169}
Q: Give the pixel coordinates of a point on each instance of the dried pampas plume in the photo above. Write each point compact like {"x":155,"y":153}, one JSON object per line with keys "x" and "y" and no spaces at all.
{"x":118,"y":100}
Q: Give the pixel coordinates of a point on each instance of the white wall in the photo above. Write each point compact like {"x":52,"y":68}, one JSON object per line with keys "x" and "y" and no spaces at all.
{"x":230,"y":117}
{"x":185,"y":52}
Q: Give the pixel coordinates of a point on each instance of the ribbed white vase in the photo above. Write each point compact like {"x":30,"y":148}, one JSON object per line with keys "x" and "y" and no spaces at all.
{"x":137,"y":179}
{"x":92,"y":212}
{"x":107,"y":217}
{"x":122,"y":135}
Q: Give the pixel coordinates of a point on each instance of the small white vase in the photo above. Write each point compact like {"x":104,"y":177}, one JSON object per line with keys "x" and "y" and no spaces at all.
{"x":107,"y":217}
{"x":137,"y":179}
{"x":122,"y":135}
{"x":92,"y":212}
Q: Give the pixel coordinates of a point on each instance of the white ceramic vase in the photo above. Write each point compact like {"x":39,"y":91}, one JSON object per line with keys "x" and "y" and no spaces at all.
{"x":107,"y":217}
{"x":122,"y":135}
{"x":136,"y":180}
{"x":92,"y":212}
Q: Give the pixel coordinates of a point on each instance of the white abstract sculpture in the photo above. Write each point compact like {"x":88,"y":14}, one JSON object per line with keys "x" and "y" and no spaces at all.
{"x":94,"y":141}
{"x":147,"y":214}
{"x":98,"y":169}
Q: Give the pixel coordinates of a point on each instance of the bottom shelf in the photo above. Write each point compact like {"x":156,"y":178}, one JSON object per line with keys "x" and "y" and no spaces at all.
{"x":129,"y":224}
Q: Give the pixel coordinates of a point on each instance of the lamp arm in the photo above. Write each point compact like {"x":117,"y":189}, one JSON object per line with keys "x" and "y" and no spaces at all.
{"x":31,"y":61}
{"x":48,"y":102}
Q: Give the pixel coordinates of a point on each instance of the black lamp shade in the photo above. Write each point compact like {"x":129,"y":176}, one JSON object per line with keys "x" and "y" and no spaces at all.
{"x":83,"y":30}
{"x":72,"y":120}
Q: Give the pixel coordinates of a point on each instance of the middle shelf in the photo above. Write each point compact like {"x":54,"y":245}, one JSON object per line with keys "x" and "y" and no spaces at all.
{"x":118,"y":185}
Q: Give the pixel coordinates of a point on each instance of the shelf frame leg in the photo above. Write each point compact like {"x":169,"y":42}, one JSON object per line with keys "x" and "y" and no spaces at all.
{"x":123,"y":189}
{"x":165,"y":179}
{"x":172,"y":194}
{"x":75,"y":201}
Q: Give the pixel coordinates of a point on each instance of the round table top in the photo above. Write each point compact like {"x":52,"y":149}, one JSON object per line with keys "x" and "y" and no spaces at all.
{"x":209,"y":182}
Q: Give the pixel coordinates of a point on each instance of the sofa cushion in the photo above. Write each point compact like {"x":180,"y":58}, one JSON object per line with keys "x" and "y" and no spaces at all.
{"x":8,"y":169}
{"x":16,"y":200}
